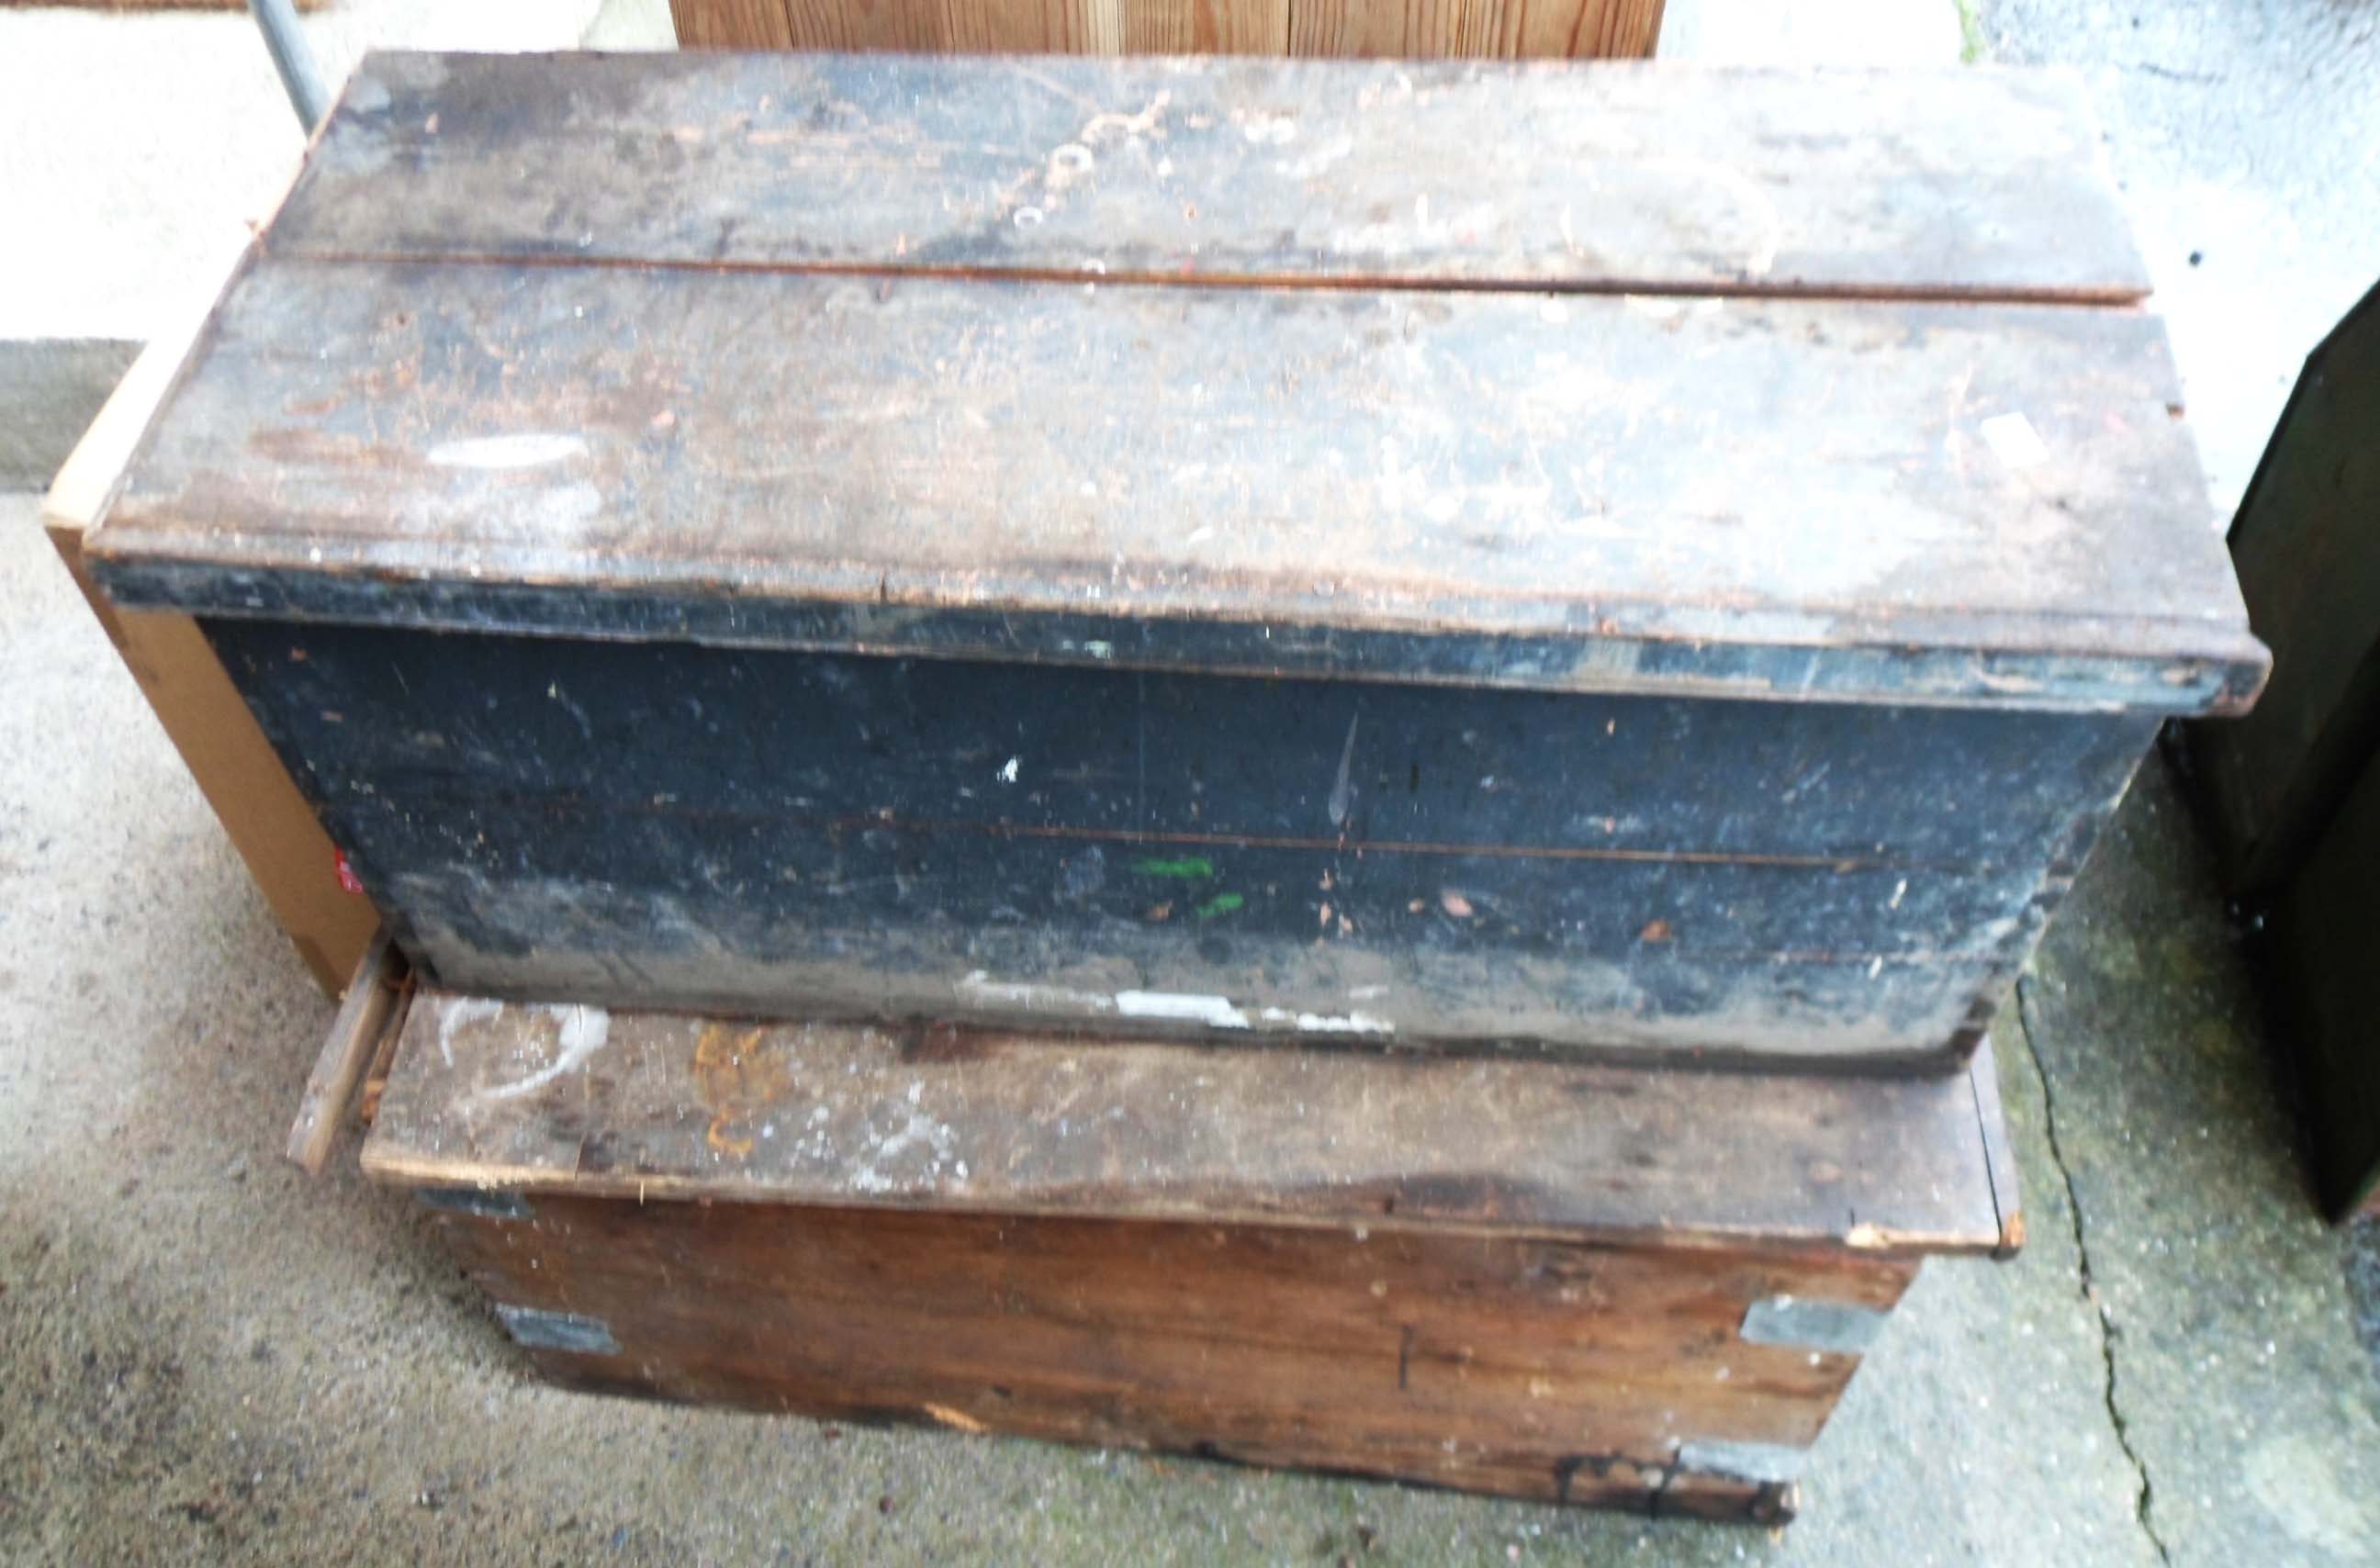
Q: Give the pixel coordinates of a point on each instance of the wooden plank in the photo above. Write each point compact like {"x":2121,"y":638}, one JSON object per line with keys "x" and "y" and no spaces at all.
{"x":2309,"y":563}
{"x":384,"y":1059}
{"x":1206,"y":26}
{"x":734,"y":24}
{"x":574,"y":1099}
{"x":1169,"y":476}
{"x":1409,"y":29}
{"x":1619,"y":178}
{"x":267,"y":822}
{"x":1607,"y":29}
{"x":1646,"y":1378}
{"x":366,"y":1014}
{"x":1004,"y":27}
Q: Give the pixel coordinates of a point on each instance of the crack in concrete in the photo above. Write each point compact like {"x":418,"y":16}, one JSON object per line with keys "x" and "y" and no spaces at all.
{"x":2144,"y":1499}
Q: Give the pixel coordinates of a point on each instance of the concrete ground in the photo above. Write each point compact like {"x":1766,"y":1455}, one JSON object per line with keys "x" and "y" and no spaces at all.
{"x":207,"y":1357}
{"x":114,"y":224}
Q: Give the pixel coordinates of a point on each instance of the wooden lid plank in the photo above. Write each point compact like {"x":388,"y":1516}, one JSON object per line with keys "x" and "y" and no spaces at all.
{"x":1964,"y":183}
{"x":1759,"y":497}
{"x":499,"y":1096}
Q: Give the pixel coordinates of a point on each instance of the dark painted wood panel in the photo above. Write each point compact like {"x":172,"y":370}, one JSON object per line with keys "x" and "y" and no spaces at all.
{"x":1765,"y":492}
{"x":1613,"y":177}
{"x":777,"y":832}
{"x":574,"y":1099}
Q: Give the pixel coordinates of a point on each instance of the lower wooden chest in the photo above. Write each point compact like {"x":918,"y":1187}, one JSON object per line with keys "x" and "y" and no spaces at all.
{"x":1565,"y":1282}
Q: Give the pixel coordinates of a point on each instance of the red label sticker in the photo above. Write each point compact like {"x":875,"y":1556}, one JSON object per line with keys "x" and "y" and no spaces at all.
{"x":348,"y":881}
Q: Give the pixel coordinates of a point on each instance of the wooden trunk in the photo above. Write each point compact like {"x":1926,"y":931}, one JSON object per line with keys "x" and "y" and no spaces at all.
{"x":1194,"y":547}
{"x":1563,"y":1282}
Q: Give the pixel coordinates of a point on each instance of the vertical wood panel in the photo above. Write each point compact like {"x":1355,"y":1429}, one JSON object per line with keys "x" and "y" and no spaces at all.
{"x":1207,"y":26}
{"x":732,"y":24}
{"x":1372,"y":29}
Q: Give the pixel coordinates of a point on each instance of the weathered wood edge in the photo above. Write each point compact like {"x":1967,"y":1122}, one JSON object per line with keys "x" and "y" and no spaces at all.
{"x":1999,"y":1153}
{"x":244,"y":780}
{"x":372,"y":1009}
{"x":1581,"y":1089}
{"x":2181,"y":667}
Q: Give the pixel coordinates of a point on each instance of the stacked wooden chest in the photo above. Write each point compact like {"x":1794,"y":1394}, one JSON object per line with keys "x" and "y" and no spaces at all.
{"x":1201,"y":648}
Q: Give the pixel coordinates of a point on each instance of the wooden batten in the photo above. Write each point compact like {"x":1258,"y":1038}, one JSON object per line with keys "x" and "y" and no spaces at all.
{"x":373,"y":1010}
{"x":567,"y":1099}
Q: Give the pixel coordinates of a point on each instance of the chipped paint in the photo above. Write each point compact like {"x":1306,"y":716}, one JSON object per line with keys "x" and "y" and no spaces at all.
{"x":1329,"y":1024}
{"x":1842,"y":1327}
{"x":1765,"y":1462}
{"x":1342,"y":792}
{"x":503,"y":452}
{"x":1215,"y":1012}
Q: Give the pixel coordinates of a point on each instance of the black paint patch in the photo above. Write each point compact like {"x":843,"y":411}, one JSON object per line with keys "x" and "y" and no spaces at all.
{"x":679,"y":824}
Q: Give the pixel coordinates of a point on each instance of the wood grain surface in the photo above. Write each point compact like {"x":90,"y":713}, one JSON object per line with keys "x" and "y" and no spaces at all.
{"x":1621,"y":178}
{"x":1401,"y":29}
{"x":1559,"y":1372}
{"x":571,"y":1099}
{"x":1767,"y":497}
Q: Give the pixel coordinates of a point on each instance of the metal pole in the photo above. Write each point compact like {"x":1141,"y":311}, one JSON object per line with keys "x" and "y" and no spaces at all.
{"x":277,"y":20}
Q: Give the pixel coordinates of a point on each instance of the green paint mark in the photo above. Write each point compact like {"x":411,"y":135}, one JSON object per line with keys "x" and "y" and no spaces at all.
{"x":1190,"y":869}
{"x":1222,"y":903}
{"x":1972,"y":46}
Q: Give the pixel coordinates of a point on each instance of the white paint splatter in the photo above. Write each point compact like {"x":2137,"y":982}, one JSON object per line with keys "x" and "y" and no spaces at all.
{"x":581,"y":1032}
{"x":1319,"y":160}
{"x":2014,"y":441}
{"x":978,"y":985}
{"x":1007,"y":774}
{"x":1329,"y":1023}
{"x":1216,"y":1012}
{"x":531,"y":451}
{"x":461,"y":1012}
